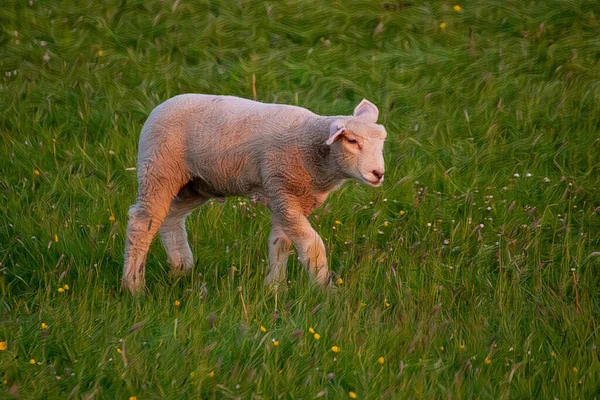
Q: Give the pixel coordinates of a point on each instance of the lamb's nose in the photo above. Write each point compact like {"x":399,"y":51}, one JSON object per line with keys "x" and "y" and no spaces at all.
{"x":378,"y":174}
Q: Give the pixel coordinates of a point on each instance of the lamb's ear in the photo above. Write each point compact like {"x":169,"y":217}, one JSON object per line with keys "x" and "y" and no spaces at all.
{"x":367,"y":111}
{"x":336,"y":129}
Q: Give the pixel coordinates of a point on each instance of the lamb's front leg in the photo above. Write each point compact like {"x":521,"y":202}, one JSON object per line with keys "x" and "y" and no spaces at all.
{"x":307,"y":241}
{"x":279,"y":252}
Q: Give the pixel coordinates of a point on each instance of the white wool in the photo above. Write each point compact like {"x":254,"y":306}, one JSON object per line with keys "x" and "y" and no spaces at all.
{"x":195,"y":147}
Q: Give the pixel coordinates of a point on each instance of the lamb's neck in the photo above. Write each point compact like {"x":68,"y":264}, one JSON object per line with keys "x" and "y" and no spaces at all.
{"x":323,"y":169}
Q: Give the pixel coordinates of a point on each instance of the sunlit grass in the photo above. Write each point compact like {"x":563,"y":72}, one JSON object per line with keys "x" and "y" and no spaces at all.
{"x":472,"y":273}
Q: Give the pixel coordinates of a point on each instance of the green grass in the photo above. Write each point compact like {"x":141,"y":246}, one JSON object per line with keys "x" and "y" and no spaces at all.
{"x":453,"y":260}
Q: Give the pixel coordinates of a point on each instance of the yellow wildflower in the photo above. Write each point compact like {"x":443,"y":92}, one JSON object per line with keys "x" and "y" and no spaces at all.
{"x":111,"y":218}
{"x":340,"y":281}
{"x":488,"y":360}
{"x":101,"y":53}
{"x":575,"y":369}
{"x":60,"y":290}
{"x":494,"y":345}
{"x":402,"y":212}
{"x":335,"y":349}
{"x":36,"y":172}
{"x":385,"y":223}
{"x":56,"y":238}
{"x":352,"y":395}
{"x":462,"y":346}
{"x":443,"y":25}
{"x":381,"y":360}
{"x":456,"y":8}
{"x":275,"y":343}
{"x":32,"y":361}
{"x":192,"y":374}
{"x":177,"y":303}
{"x":338,"y":222}
{"x":317,"y":336}
{"x":66,"y":287}
{"x":442,"y":348}
{"x":387,"y":304}
{"x":44,"y":326}
{"x":3,"y":345}
{"x":553,"y":354}
{"x":311,"y":330}
{"x":118,"y":350}
{"x":211,"y":374}
{"x":132,"y":398}
{"x":263,"y":329}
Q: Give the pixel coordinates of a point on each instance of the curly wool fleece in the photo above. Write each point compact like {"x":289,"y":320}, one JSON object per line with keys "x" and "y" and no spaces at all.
{"x":194,"y":147}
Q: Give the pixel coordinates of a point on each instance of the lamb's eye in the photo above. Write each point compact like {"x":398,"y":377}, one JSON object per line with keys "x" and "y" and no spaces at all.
{"x":352,"y":141}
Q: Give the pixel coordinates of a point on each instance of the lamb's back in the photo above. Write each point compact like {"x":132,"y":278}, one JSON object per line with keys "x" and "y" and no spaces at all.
{"x":224,"y":138}
{"x":210,"y":115}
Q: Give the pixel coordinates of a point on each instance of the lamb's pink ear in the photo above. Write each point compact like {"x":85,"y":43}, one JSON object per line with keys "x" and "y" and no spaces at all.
{"x":367,"y":111}
{"x":336,"y":129}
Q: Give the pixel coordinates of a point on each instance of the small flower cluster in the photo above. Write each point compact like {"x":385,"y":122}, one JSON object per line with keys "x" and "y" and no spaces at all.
{"x":456,"y":8}
{"x":63,"y":288}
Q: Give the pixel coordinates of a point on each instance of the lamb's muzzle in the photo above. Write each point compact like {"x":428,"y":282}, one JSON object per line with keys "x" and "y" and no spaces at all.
{"x":195,"y":147}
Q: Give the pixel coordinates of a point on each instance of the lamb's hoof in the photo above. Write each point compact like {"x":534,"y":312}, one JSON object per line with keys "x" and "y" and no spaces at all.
{"x":275,"y":282}
{"x":133,"y":287}
{"x":323,"y":280}
{"x":180,"y":270}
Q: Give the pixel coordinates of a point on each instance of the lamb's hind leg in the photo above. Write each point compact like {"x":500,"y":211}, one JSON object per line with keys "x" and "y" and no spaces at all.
{"x":144,"y":221}
{"x":174,"y":235}
{"x":145,"y":218}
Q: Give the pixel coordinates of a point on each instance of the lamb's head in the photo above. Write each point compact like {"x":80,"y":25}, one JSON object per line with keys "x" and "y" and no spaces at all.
{"x":356,"y":144}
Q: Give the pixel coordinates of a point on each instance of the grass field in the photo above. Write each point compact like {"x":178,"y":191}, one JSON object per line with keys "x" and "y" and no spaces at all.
{"x":474,"y":271}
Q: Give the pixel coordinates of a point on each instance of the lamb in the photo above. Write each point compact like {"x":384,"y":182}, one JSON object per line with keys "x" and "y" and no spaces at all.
{"x":195,"y":147}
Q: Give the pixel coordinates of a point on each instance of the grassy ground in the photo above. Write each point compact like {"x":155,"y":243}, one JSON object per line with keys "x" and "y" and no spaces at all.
{"x":474,"y":271}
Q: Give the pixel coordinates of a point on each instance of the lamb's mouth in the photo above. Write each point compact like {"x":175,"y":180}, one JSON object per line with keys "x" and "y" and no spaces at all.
{"x":374,"y":183}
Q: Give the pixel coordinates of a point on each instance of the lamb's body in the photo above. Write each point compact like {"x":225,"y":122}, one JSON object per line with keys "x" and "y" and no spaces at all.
{"x":218,"y":142}
{"x":195,"y":147}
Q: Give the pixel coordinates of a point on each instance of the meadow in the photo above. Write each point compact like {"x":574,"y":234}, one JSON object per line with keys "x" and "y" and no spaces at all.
{"x":473,"y":272}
